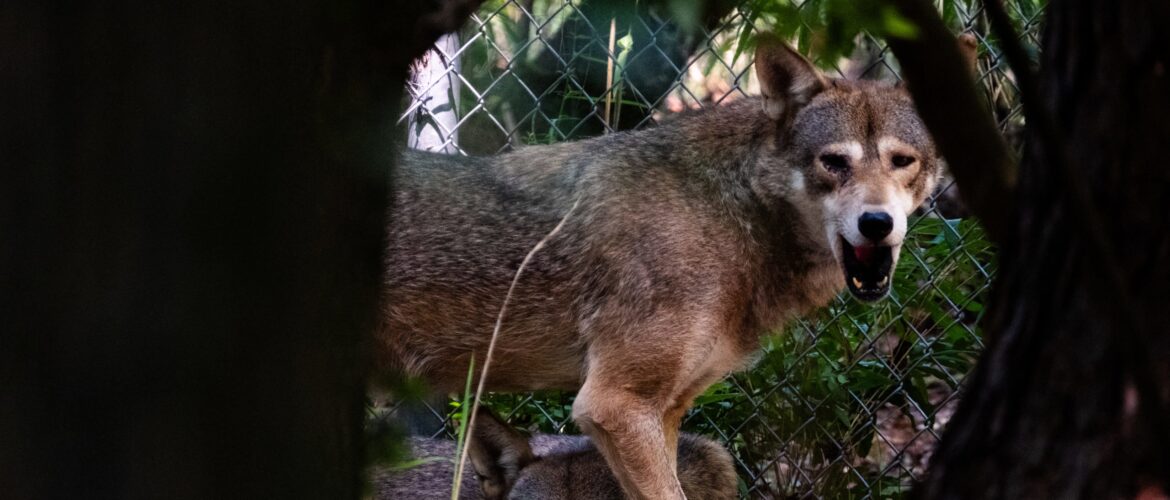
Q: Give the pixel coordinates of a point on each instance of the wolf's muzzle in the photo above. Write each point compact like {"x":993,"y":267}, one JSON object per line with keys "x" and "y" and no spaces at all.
{"x":867,"y":270}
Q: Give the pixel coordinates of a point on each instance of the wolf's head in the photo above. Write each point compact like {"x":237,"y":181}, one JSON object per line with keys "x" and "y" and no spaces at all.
{"x":853,"y":157}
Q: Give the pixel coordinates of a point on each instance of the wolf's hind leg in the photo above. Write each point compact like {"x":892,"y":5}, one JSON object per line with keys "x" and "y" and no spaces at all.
{"x":627,"y":428}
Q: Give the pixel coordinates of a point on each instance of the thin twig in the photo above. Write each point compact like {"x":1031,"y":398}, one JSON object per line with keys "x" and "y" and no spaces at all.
{"x":487,"y":361}
{"x":1017,"y":57}
{"x":609,"y":73}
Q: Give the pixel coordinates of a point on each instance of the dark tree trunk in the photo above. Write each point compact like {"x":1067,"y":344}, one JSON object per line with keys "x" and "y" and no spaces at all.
{"x":192,"y":202}
{"x":1072,"y":397}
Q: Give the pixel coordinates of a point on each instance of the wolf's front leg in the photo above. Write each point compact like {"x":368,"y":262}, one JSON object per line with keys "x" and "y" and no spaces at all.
{"x":672,"y":417}
{"x":627,"y":428}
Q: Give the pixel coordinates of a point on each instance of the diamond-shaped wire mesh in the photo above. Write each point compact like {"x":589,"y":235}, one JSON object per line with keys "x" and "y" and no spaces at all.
{"x":847,"y":403}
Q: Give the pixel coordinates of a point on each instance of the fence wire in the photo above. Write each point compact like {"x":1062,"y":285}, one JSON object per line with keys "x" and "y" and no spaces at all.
{"x":847,"y":403}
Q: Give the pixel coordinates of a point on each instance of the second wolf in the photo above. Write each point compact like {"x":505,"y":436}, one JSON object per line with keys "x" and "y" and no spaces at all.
{"x":507,"y":464}
{"x":681,"y":246}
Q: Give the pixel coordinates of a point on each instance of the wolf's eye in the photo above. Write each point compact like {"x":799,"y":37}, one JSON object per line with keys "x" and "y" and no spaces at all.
{"x":835,"y":163}
{"x":901,"y":161}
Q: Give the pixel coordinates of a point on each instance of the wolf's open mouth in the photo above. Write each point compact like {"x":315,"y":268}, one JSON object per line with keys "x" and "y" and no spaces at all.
{"x":867,"y":270}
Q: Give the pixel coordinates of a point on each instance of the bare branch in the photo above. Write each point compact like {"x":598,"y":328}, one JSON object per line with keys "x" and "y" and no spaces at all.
{"x":1009,"y":43}
{"x":962,"y":126}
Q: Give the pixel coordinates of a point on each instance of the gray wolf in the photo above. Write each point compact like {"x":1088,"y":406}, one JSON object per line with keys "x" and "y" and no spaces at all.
{"x":508,"y":465}
{"x":689,"y":241}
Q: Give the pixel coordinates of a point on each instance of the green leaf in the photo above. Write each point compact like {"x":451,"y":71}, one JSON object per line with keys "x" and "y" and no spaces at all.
{"x":896,"y":25}
{"x":410,"y":464}
{"x":745,"y":35}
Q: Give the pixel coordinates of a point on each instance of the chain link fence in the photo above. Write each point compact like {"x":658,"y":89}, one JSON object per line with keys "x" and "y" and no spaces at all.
{"x":847,"y":403}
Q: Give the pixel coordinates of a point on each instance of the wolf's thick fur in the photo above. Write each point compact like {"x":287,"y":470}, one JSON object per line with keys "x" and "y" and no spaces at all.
{"x":552,"y":467}
{"x":689,"y":241}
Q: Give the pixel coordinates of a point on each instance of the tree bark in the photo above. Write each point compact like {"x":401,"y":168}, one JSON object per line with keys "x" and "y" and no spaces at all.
{"x":192,"y":204}
{"x":434,"y":94}
{"x":1072,"y":397}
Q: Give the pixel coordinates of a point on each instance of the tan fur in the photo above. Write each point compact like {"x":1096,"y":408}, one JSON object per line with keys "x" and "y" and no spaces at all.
{"x":691,"y":240}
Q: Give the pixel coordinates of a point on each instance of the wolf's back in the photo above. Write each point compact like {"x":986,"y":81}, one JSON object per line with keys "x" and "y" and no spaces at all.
{"x":459,"y":228}
{"x":464,"y":215}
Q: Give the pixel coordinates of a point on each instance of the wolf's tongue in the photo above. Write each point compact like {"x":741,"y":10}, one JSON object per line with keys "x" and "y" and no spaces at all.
{"x":863,"y":254}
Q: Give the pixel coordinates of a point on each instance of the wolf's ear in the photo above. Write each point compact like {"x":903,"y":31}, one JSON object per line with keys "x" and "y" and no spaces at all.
{"x":787,"y":80}
{"x":498,"y":453}
{"x":969,"y":49}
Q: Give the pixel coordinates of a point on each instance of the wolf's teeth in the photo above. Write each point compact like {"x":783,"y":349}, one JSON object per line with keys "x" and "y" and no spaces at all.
{"x":857,"y":283}
{"x":885,"y":279}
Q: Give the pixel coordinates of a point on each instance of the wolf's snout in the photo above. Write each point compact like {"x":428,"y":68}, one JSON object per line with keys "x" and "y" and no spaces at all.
{"x":875,"y":225}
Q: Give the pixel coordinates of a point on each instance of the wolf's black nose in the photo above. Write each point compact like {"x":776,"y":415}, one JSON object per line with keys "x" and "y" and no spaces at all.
{"x":875,"y":225}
